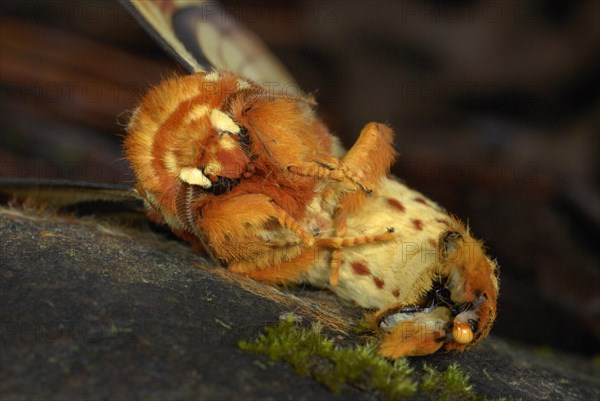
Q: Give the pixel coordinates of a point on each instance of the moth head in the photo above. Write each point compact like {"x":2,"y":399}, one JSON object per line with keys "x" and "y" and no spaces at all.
{"x":206,"y":137}
{"x":182,"y":132}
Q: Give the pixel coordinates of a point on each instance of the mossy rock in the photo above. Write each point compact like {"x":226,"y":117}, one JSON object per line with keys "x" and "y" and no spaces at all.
{"x":96,"y":310}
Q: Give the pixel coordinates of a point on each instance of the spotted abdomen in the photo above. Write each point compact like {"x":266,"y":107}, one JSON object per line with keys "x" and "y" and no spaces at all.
{"x":398,"y":271}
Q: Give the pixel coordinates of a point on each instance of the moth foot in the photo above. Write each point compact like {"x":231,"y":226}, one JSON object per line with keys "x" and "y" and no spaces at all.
{"x":336,"y":261}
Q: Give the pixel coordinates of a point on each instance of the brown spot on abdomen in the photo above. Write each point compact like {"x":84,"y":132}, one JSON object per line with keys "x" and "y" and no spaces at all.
{"x":396,"y":204}
{"x":360,"y":269}
{"x":378,"y":282}
{"x":396,"y":293}
{"x":421,"y":200}
{"x":417,"y":224}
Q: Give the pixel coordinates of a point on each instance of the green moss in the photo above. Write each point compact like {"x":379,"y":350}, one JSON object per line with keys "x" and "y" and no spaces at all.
{"x":313,"y":354}
{"x":452,"y":384}
{"x":362,"y":327}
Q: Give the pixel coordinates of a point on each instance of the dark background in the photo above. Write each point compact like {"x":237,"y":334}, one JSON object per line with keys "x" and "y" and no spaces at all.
{"x":495,"y":105}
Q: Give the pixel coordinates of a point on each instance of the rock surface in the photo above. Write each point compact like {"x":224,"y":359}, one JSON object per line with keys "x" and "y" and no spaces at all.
{"x":94,"y":310}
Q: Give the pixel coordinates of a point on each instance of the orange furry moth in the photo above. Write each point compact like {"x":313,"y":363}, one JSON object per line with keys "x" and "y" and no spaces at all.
{"x":254,"y":179}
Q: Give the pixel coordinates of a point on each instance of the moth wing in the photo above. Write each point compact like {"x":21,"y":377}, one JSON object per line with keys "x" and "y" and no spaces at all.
{"x":62,"y":194}
{"x":201,"y":35}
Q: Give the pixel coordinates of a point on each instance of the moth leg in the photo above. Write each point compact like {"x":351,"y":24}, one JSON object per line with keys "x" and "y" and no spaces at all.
{"x":287,"y":271}
{"x":371,"y":156}
{"x":291,"y":224}
{"x":340,"y":241}
{"x":329,"y":168}
{"x":251,"y":231}
{"x":292,"y":138}
{"x":337,"y":257}
{"x":345,"y":242}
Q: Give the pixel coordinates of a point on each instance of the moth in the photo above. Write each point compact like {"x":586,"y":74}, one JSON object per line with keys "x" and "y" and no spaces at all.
{"x":253,"y":178}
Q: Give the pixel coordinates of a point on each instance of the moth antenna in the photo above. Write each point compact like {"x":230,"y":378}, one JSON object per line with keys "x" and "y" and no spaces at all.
{"x":186,"y":194}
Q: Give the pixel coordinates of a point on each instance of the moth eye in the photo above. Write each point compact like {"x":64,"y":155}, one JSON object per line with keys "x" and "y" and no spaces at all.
{"x":462,"y":333}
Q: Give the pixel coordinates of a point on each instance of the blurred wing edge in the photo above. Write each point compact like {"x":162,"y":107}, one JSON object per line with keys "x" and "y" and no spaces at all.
{"x":157,"y":24}
{"x":200,"y":35}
